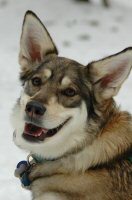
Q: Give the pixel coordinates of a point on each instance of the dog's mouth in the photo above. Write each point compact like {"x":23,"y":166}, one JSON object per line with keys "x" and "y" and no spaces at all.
{"x":35,"y":133}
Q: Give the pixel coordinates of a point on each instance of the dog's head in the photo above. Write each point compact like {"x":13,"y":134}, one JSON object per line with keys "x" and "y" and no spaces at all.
{"x":63,"y":104}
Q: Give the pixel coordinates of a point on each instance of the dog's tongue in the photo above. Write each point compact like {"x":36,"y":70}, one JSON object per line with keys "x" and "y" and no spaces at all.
{"x":34,"y":131}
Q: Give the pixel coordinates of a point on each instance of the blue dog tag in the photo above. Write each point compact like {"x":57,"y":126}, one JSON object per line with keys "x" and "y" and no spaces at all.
{"x":22,"y":171}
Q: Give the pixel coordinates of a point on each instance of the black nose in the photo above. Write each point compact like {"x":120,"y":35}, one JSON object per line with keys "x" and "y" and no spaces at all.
{"x":34,"y":107}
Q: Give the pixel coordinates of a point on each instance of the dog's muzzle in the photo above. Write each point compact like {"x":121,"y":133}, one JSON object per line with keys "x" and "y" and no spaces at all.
{"x":33,"y":131}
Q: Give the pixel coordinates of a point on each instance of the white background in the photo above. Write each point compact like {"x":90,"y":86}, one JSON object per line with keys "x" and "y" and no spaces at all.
{"x":81,"y":31}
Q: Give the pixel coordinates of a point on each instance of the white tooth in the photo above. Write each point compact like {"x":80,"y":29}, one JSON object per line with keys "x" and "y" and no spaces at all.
{"x":38,"y":135}
{"x":45,"y":130}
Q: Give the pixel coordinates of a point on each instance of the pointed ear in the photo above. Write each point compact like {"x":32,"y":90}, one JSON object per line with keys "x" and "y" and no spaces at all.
{"x":108,"y":74}
{"x":35,"y":42}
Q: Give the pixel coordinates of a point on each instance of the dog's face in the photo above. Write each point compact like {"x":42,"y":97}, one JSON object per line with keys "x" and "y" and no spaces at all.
{"x":60,"y":107}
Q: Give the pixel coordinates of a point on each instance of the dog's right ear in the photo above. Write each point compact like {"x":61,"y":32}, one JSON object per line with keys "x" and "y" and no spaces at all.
{"x":35,"y":42}
{"x":107,"y":75}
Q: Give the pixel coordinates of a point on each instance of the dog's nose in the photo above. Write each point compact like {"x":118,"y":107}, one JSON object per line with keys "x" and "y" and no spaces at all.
{"x":34,"y":107}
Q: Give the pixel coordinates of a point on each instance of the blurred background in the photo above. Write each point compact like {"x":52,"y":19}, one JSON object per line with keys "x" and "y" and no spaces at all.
{"x":82,"y":30}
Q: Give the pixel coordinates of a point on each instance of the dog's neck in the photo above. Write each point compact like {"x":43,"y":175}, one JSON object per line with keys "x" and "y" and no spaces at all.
{"x":114,"y":142}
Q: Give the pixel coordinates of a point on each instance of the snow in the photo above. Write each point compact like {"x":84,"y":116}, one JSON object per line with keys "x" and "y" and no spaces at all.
{"x":82,"y":32}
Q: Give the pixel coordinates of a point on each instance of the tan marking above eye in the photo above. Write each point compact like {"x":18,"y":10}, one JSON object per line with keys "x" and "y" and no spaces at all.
{"x":66,"y":81}
{"x":47,"y":73}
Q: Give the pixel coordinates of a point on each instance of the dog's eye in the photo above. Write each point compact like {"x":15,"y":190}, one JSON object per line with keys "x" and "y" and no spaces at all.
{"x":36,"y":81}
{"x":69,"y":92}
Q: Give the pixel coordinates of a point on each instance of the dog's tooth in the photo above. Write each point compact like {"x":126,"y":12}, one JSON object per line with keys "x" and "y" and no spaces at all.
{"x":45,"y":130}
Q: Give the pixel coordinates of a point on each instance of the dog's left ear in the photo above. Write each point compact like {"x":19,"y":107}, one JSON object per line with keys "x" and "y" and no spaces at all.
{"x":35,"y":42}
{"x":108,"y":74}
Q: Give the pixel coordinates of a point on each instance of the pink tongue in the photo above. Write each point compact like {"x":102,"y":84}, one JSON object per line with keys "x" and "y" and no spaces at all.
{"x":33,"y":130}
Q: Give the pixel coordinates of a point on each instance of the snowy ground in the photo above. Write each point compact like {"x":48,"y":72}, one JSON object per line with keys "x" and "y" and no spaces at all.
{"x":82,"y":32}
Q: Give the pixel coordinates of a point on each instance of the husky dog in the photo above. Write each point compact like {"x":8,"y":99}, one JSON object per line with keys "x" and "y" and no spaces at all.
{"x":67,"y":115}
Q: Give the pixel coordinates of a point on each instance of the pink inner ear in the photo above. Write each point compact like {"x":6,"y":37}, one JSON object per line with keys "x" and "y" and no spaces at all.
{"x":34,"y":50}
{"x":107,"y":79}
{"x":114,"y":75}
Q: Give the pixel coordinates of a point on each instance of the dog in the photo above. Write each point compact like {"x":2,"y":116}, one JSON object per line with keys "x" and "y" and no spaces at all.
{"x":66,"y":114}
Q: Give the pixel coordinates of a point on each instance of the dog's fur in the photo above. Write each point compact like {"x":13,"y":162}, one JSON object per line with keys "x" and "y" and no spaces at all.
{"x":88,"y":159}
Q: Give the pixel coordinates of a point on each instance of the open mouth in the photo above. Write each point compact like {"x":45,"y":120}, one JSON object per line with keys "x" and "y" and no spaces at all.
{"x":35,"y":133}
